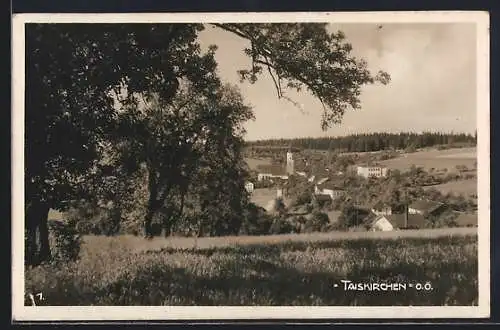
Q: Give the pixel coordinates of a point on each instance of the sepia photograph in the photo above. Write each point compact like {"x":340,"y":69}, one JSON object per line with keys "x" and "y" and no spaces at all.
{"x":250,"y":165}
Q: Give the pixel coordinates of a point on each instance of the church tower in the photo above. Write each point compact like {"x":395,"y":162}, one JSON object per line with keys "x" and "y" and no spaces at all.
{"x":290,"y":168}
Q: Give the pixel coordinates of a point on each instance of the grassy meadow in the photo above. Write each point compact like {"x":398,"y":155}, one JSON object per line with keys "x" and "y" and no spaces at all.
{"x":254,"y":163}
{"x":432,"y":158}
{"x":465,"y":187}
{"x":266,"y":271}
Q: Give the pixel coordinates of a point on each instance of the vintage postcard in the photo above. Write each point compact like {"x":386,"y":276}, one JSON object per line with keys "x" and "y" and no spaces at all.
{"x":225,"y":166}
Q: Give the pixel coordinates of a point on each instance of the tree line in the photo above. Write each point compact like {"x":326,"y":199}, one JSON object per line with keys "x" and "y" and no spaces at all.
{"x":373,"y":141}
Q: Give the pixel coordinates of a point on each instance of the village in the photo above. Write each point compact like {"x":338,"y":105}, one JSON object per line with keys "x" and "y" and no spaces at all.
{"x":276,"y":187}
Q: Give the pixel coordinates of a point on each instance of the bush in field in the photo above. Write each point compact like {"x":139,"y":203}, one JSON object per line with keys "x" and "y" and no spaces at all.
{"x":410,"y":149}
{"x":386,"y":155}
{"x":298,"y":223}
{"x":338,"y":203}
{"x":318,"y":222}
{"x":255,"y":221}
{"x":93,"y":219}
{"x":444,"y":220}
{"x":117,"y":205}
{"x":304,"y":197}
{"x":281,"y":226}
{"x":64,"y":240}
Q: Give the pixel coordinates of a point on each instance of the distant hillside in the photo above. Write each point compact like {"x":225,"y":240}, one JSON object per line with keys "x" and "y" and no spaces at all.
{"x":372,"y":142}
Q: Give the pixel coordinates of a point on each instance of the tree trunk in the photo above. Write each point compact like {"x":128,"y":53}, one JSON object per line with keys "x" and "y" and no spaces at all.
{"x":43,"y":229}
{"x":147,"y":222}
{"x":37,"y":248}
{"x":172,"y":219}
{"x":152,"y":203}
{"x":30,"y":247}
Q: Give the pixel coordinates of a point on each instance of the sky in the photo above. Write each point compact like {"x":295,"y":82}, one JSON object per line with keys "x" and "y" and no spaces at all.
{"x":432,"y":88}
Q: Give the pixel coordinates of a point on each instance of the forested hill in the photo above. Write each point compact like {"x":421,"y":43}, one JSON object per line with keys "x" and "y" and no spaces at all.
{"x":372,"y":141}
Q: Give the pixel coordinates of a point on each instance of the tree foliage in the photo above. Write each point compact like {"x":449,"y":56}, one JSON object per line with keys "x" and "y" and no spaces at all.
{"x":299,"y":56}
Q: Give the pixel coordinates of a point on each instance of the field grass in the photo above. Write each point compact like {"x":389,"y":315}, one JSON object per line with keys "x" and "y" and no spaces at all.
{"x":138,"y":244}
{"x":253,"y":163}
{"x":465,"y":187}
{"x":284,"y":270}
{"x":262,"y":196}
{"x":437,"y":159}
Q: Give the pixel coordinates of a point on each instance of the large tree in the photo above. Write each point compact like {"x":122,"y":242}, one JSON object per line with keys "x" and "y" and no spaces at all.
{"x":192,"y":143}
{"x":74,"y":73}
{"x":219,"y":181}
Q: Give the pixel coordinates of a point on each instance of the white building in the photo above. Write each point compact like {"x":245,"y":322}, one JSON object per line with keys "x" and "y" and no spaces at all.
{"x":271,"y":175}
{"x":321,"y":181}
{"x":381,"y":209}
{"x":328,"y":189}
{"x":249,"y":186}
{"x":382,"y":224}
{"x":372,"y":171}
{"x":290,"y":163}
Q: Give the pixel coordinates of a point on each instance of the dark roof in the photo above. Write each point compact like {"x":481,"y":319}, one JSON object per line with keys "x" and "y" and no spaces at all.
{"x":398,"y":220}
{"x":370,"y":218}
{"x":272,"y":169}
{"x":465,"y":219}
{"x":320,"y":172}
{"x":329,"y":185}
{"x":323,"y":197}
{"x":425,"y":205}
{"x":299,"y":210}
{"x":379,"y":205}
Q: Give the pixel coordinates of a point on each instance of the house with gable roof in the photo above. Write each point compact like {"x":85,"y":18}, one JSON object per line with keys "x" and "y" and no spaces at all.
{"x":426,"y":207}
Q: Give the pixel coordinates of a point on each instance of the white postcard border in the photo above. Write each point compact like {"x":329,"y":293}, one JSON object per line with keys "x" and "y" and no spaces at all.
{"x":107,"y":313}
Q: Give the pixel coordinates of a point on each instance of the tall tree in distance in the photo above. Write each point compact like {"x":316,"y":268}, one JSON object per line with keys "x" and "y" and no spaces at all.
{"x":220,"y":181}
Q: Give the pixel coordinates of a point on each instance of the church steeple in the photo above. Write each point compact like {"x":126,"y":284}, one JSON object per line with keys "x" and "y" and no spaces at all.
{"x":290,"y":166}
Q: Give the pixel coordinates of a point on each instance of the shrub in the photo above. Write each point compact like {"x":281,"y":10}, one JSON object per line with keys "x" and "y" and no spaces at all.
{"x":410,"y":149}
{"x":90,"y":218}
{"x":297,"y":223}
{"x":64,"y":240}
{"x":255,"y":221}
{"x":303,"y":198}
{"x":318,"y":222}
{"x":280,"y":226}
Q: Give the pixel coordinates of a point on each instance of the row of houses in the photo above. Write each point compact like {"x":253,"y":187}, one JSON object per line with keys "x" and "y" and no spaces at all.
{"x":381,"y":217}
{"x":416,"y":221}
{"x":267,"y":172}
{"x":272,"y":171}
